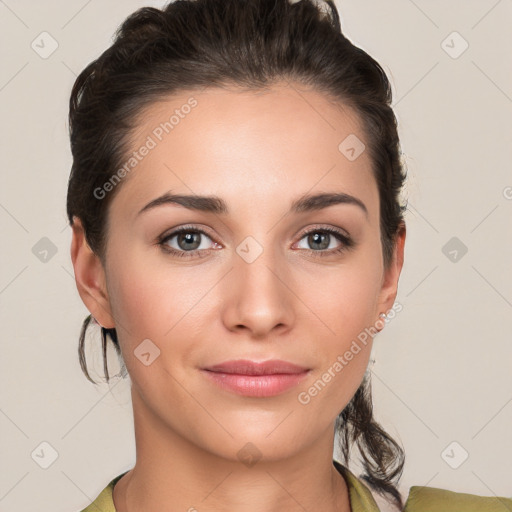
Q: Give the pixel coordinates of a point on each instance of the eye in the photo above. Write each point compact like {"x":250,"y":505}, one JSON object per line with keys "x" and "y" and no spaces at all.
{"x":188,"y":242}
{"x":321,"y":238}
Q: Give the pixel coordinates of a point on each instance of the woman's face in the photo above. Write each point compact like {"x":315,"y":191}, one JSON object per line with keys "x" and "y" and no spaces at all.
{"x":256,"y":280}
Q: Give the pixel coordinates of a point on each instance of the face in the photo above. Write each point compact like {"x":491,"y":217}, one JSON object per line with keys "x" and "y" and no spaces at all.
{"x":256,"y":280}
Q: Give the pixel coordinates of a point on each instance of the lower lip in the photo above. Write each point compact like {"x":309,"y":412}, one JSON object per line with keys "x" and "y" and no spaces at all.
{"x":256,"y":385}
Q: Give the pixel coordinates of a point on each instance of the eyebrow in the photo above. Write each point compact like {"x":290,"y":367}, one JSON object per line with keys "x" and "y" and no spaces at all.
{"x":214,"y":204}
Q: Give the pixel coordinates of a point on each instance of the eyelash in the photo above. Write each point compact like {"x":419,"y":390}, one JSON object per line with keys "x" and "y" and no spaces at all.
{"x":347,"y":242}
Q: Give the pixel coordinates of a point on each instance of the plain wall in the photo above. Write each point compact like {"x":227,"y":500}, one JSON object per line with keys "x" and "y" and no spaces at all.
{"x":443,"y":365}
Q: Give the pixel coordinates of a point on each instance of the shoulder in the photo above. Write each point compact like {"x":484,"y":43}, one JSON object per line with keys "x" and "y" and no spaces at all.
{"x":432,"y":499}
{"x":104,"y":501}
{"x":420,"y":499}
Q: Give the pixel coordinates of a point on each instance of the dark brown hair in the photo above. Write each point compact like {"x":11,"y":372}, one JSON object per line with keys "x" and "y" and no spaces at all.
{"x":252,"y":44}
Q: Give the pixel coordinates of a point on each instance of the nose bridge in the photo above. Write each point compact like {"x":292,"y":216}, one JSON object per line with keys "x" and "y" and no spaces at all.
{"x":256,"y":264}
{"x":258,"y":296}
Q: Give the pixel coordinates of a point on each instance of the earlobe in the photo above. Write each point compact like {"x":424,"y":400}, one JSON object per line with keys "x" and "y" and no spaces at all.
{"x":390,"y":279}
{"x":90,"y":277}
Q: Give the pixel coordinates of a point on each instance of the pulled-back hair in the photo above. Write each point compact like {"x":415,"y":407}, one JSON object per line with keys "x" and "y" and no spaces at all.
{"x":252,"y":44}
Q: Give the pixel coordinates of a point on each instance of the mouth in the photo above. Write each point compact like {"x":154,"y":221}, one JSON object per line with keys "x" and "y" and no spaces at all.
{"x":255,"y":379}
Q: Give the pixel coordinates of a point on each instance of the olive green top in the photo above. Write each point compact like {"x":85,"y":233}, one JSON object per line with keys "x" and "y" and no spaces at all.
{"x":420,"y":499}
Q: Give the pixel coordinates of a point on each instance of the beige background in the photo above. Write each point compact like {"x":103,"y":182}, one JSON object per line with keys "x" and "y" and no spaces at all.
{"x":443,"y":365}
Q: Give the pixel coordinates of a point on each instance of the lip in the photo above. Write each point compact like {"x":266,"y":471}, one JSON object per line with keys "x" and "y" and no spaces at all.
{"x":247,"y":367}
{"x":256,"y":379}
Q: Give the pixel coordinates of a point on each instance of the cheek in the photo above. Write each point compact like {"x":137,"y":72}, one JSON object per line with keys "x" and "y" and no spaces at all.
{"x":343,"y":303}
{"x":342,"y":299}
{"x":148,"y":307}
{"x":135,"y":303}
{"x":144,"y":294}
{"x":160,"y":302}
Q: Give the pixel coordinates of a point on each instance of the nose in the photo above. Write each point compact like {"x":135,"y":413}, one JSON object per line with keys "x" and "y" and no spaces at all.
{"x":258,"y":294}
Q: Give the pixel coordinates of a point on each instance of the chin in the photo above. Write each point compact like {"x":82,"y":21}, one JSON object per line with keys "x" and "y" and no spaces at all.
{"x":267,"y":441}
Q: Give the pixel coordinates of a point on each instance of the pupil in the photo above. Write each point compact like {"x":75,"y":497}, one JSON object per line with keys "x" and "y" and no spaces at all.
{"x":317,"y":239}
{"x":189,"y":238}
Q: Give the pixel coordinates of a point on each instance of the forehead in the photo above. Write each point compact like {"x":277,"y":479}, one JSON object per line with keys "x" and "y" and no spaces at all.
{"x":247,"y":147}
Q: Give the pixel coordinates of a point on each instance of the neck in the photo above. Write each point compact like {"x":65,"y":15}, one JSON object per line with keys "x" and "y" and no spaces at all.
{"x":171,"y":473}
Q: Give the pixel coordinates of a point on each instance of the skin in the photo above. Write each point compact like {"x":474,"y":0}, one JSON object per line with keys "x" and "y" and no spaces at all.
{"x":259,"y":152}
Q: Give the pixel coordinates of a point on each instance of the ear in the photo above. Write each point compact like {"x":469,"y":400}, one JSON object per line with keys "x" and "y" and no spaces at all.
{"x":90,"y":277}
{"x":389,"y":285}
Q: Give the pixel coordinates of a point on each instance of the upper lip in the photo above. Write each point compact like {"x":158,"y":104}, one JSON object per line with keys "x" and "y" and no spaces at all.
{"x":246,"y":367}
